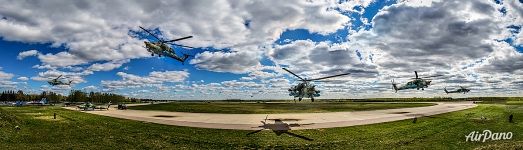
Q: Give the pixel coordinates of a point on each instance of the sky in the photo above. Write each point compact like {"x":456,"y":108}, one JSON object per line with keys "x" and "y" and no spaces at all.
{"x":241,"y":46}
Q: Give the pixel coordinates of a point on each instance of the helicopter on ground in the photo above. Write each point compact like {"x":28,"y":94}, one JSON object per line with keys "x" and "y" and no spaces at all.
{"x":57,"y":81}
{"x":460,"y":90}
{"x":161,"y":47}
{"x":416,"y":83}
{"x":306,"y":89}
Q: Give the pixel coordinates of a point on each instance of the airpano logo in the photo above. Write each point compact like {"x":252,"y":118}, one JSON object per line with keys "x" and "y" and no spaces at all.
{"x":476,"y":136}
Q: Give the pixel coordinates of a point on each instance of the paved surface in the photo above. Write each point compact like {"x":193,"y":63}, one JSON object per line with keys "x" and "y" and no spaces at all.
{"x":305,"y":120}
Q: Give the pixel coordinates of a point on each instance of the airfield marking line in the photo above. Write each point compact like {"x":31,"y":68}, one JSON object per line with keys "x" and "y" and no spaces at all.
{"x":308,"y":120}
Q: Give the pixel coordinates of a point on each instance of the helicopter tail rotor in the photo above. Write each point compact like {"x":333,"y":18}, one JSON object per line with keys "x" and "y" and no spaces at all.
{"x":394,"y":86}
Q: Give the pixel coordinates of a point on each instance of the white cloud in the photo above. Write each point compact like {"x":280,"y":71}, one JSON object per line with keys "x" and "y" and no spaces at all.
{"x":62,"y":59}
{"x":235,"y":62}
{"x":459,"y":39}
{"x":28,"y":53}
{"x":5,"y":80}
{"x":305,"y":56}
{"x":107,"y":66}
{"x":23,"y":78}
{"x":97,"y":31}
{"x":90,"y":88}
{"x":75,"y":77}
{"x":4,"y":75}
{"x":419,"y":3}
{"x":153,"y":79}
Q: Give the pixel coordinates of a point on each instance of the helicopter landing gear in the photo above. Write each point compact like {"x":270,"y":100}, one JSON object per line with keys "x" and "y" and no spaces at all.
{"x":312,"y":99}
{"x":422,"y":89}
{"x":299,"y":99}
{"x":152,"y":54}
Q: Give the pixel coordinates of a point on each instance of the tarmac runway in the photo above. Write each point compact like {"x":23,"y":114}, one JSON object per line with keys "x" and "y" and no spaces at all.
{"x":296,"y":120}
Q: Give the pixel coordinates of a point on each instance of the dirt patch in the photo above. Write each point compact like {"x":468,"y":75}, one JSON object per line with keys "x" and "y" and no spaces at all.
{"x":49,"y":118}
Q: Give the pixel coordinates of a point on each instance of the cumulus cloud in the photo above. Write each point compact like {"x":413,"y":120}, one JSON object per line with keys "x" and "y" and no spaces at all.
{"x":235,"y":62}
{"x":433,"y":34}
{"x":97,"y":31}
{"x":454,"y":38}
{"x":5,"y":80}
{"x":107,"y":66}
{"x":464,"y":40}
{"x":4,"y":75}
{"x":74,"y":77}
{"x":305,"y":56}
{"x":23,"y":78}
{"x":28,"y":53}
{"x":154,"y":78}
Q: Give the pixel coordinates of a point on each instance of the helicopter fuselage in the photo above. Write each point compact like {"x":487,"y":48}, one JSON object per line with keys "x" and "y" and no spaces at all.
{"x":461,"y":90}
{"x":157,"y":48}
{"x":56,"y":82}
{"x":162,"y":49}
{"x":414,"y":84}
{"x":304,"y":90}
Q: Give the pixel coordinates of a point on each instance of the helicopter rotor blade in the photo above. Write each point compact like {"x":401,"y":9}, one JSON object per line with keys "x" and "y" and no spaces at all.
{"x":328,"y":77}
{"x":416,"y":72}
{"x":298,"y":136}
{"x":182,"y":45}
{"x":152,"y":34}
{"x":293,"y":74}
{"x":433,"y":76}
{"x":187,"y":37}
{"x":255,"y":132}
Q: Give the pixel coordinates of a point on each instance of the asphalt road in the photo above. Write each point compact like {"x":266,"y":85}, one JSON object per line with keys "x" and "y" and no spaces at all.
{"x":295,"y":121}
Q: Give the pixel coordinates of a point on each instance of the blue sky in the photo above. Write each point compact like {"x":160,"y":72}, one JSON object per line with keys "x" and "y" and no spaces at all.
{"x":241,"y":49}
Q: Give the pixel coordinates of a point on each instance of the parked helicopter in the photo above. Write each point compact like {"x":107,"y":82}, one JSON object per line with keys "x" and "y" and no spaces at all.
{"x":57,"y":81}
{"x":460,"y":90}
{"x":161,"y":47}
{"x":306,"y":89}
{"x":416,"y":83}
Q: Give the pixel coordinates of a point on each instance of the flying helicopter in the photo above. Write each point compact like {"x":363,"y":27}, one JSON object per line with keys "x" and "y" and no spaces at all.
{"x":416,"y":83}
{"x":460,"y":90}
{"x":306,"y":89}
{"x":161,"y":47}
{"x":57,"y":81}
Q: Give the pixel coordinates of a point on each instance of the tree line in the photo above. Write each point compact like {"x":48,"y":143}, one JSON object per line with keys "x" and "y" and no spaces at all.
{"x":74,"y":96}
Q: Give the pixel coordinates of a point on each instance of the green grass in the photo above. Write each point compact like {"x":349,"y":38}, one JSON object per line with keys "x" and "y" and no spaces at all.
{"x":77,"y":130}
{"x":271,"y":108}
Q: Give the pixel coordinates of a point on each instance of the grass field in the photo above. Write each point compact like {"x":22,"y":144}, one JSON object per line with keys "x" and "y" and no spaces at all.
{"x":77,"y":130}
{"x":271,"y":108}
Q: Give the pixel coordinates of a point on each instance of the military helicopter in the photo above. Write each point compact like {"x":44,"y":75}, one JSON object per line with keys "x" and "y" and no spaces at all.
{"x":57,"y":81}
{"x":460,"y":90}
{"x":161,"y":47}
{"x":416,"y":83}
{"x":306,"y":88}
